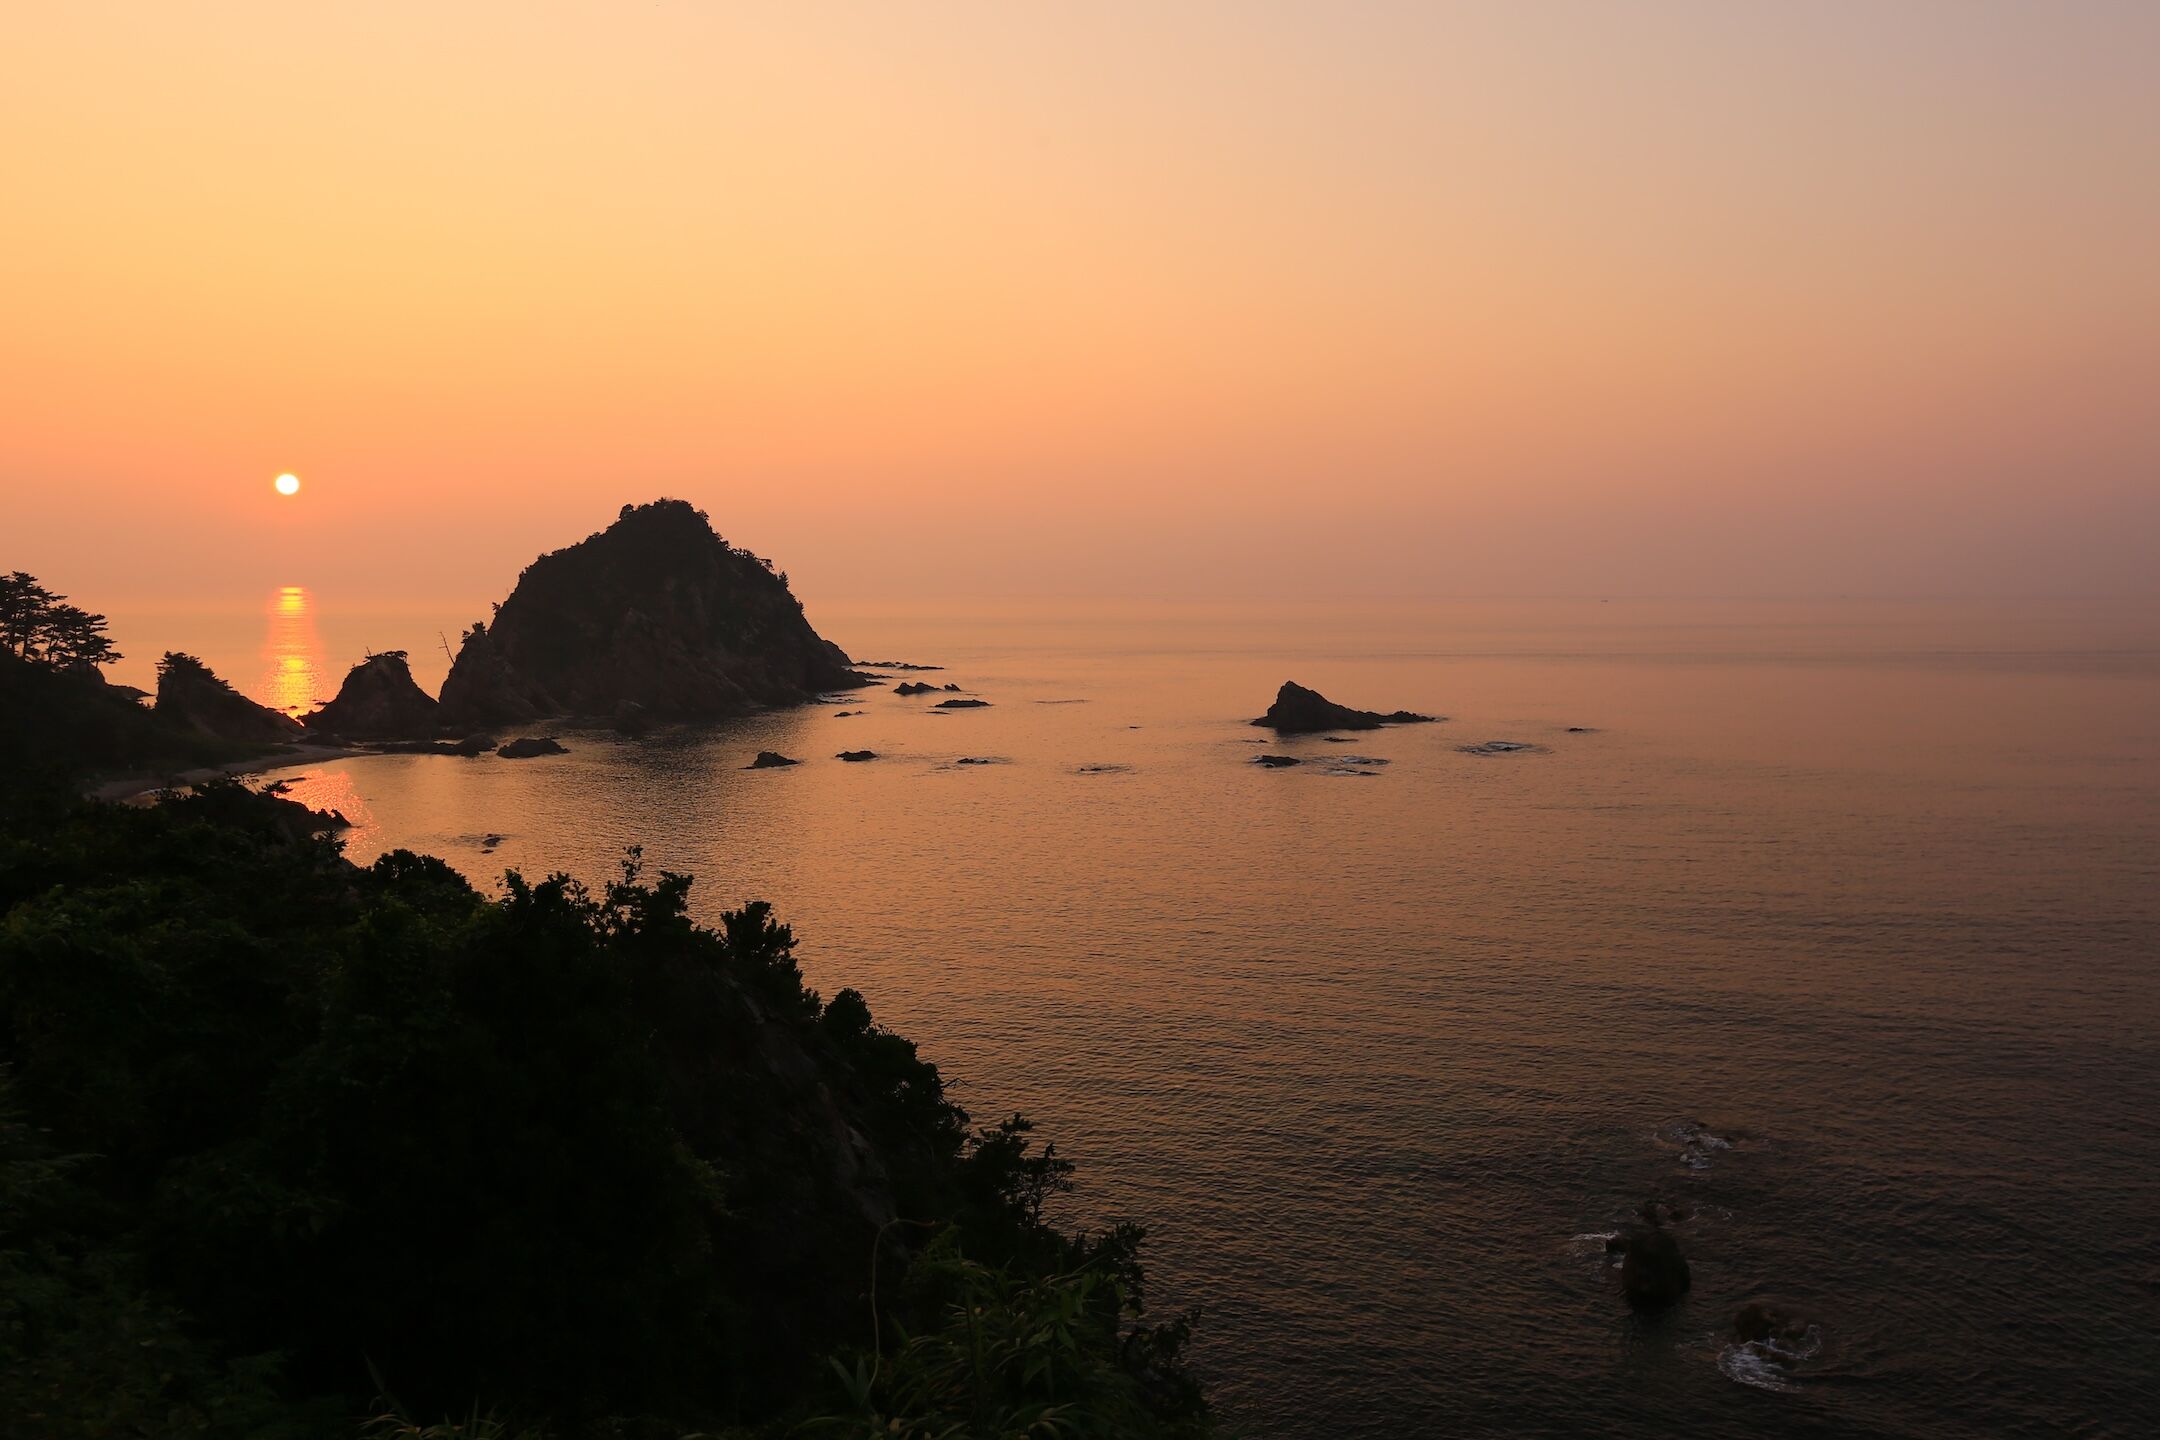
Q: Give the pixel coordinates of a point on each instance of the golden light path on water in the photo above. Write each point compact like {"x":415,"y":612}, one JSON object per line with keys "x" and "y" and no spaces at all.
{"x":291,"y":652}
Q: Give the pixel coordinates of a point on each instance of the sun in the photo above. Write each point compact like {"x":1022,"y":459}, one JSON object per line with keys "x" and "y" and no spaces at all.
{"x":287,"y":484}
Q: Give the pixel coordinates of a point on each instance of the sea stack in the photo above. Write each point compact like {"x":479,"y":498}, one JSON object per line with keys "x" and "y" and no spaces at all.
{"x":1299,"y":711}
{"x":378,"y":701}
{"x":655,"y":616}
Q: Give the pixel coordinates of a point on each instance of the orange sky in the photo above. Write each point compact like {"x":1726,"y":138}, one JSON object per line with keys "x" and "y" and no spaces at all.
{"x":970,"y":299}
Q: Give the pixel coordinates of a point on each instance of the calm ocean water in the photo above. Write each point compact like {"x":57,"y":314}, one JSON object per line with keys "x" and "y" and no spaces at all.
{"x":1381,"y":1046}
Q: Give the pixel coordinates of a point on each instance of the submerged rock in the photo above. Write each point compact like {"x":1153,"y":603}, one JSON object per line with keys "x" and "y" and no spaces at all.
{"x":1502,"y":747}
{"x":1298,"y":710}
{"x":525,"y":747}
{"x":190,"y":694}
{"x":963,"y":704}
{"x":1276,"y":762}
{"x":770,"y":760}
{"x":856,"y":755}
{"x":1761,"y":1323}
{"x":655,"y":611}
{"x":378,"y":700}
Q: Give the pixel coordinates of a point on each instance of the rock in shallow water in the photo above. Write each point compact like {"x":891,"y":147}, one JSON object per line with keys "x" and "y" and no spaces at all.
{"x":525,"y":747}
{"x":1653,"y":1269}
{"x":770,"y":760}
{"x":963,"y":704}
{"x":1276,"y":762}
{"x":856,"y":755}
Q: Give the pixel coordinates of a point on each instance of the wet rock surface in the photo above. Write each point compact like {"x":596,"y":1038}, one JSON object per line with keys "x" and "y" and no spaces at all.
{"x":525,"y":747}
{"x":770,"y":760}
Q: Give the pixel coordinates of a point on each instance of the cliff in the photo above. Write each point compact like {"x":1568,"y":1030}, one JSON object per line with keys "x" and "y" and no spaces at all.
{"x":190,"y":694}
{"x":656,"y":612}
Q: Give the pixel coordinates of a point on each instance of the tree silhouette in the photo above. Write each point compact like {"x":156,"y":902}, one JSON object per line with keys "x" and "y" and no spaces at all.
{"x":41,"y":627}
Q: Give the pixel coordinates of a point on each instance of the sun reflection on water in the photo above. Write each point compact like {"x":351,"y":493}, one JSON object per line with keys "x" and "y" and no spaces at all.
{"x":292,"y":652}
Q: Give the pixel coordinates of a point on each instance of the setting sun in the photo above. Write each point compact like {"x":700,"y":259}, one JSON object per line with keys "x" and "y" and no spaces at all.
{"x":287,"y":484}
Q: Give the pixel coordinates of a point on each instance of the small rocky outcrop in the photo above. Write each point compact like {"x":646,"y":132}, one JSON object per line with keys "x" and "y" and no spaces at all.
{"x":914,"y":687}
{"x":856,"y":755}
{"x":1299,"y":711}
{"x":190,"y":694}
{"x":1653,"y":1268}
{"x":963,"y":704}
{"x":377,"y":701}
{"x":1277,"y":762}
{"x":770,"y":760}
{"x":525,"y":747}
{"x":655,"y":611}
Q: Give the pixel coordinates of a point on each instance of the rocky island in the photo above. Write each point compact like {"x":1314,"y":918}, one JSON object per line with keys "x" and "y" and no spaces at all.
{"x":655,"y":616}
{"x":379,"y":700}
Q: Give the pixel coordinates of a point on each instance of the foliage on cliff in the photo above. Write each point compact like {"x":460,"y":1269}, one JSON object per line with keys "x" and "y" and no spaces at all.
{"x":285,"y":1143}
{"x":195,"y":697}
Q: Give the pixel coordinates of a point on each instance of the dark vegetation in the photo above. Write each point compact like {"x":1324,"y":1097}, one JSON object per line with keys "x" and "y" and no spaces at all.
{"x":292,"y":1148}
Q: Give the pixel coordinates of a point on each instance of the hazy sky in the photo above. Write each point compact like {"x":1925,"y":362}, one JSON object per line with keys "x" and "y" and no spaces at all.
{"x":1157,"y":298}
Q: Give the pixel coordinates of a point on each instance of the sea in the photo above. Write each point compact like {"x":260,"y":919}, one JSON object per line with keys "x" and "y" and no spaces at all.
{"x":1835,"y":925}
